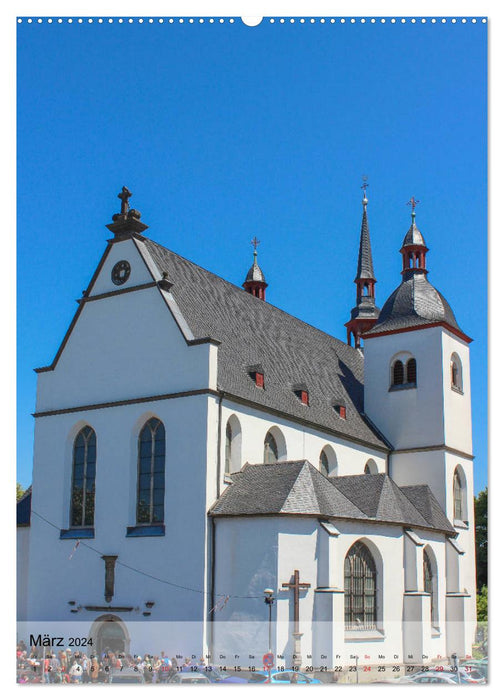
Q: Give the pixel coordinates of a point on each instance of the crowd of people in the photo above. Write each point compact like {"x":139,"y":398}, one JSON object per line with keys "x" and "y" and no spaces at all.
{"x":38,"y":665}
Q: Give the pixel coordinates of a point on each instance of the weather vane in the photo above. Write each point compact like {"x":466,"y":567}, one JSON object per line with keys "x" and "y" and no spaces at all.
{"x":255,"y":243}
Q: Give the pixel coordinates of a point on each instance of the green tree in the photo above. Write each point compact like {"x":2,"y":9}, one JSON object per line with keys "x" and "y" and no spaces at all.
{"x":482,"y":604}
{"x":19,"y":491}
{"x":481,"y":525}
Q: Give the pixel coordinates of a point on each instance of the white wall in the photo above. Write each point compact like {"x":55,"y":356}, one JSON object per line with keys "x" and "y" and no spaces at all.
{"x":457,"y":407}
{"x":408,"y":417}
{"x":301,"y":442}
{"x":179,"y":556}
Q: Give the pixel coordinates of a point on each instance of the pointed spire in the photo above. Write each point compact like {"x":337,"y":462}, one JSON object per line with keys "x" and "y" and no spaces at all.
{"x":365,"y":260}
{"x":255,"y":282}
{"x":365,"y":313}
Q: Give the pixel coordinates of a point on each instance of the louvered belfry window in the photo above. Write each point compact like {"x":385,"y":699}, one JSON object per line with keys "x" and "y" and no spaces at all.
{"x":398,"y":373}
{"x":360,"y":589}
{"x":411,"y":371}
{"x":83,"y":479}
{"x":151,"y":473}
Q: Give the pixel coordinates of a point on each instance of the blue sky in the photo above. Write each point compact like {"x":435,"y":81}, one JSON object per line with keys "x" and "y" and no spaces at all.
{"x":225,"y":132}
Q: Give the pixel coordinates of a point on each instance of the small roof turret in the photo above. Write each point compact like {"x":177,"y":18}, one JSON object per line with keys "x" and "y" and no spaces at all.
{"x":255,"y":282}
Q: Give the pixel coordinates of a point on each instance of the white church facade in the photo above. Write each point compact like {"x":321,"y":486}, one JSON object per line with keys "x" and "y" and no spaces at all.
{"x":196,"y":446}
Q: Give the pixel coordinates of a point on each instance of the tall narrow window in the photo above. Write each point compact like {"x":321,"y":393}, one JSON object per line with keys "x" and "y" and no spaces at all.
{"x":360,"y":588}
{"x":270,"y":449}
{"x":324,"y":463}
{"x":83,"y":479}
{"x":229,"y":438}
{"x":456,"y":372}
{"x":457,"y":496}
{"x":411,"y":371}
{"x":428,"y":581}
{"x":151,"y":473}
{"x":398,"y":373}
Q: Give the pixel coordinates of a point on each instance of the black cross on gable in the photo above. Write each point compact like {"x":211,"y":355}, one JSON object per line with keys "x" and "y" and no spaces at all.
{"x":124,"y":196}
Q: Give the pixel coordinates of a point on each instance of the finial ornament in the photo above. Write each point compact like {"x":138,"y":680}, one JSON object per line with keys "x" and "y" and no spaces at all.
{"x":412,"y":203}
{"x":364,"y":186}
{"x":255,"y":243}
{"x":124,"y":196}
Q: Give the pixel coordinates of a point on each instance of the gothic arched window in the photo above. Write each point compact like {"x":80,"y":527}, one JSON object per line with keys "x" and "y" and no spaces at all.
{"x":151,"y":473}
{"x":430,"y":583}
{"x":270,"y":449}
{"x":324,"y":463}
{"x":458,"y":505}
{"x":411,"y":371}
{"x":83,"y":479}
{"x":398,"y":373}
{"x":360,"y":588}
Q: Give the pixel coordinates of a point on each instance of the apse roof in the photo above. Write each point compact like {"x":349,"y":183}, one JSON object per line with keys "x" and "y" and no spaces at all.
{"x":297,"y":488}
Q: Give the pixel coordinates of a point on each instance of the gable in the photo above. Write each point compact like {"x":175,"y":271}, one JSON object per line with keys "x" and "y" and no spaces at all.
{"x":124,"y":342}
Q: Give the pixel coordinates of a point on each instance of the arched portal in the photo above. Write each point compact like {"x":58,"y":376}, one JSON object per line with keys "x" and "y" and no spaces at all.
{"x":109,"y":633}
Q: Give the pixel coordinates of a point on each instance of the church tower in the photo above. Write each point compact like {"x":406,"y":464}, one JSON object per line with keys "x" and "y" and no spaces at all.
{"x":365,"y":313}
{"x":255,"y":282}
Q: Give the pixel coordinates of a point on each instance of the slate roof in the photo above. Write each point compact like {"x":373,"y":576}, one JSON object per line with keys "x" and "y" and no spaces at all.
{"x":297,"y":488}
{"x":413,"y":237}
{"x":290,"y":352}
{"x":415,"y":302}
{"x":23,"y":508}
{"x":365,"y":261}
{"x":255,"y":274}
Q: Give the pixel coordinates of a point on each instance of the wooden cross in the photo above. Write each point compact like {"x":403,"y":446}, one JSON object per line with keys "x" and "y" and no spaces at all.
{"x":412,"y":203}
{"x":124,"y":196}
{"x":296,"y":587}
{"x":255,"y":243}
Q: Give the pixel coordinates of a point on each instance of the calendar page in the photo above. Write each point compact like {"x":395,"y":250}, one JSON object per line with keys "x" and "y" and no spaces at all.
{"x":252,"y":285}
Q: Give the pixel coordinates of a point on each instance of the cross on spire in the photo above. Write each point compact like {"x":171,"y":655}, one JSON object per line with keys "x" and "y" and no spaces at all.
{"x":124,"y":196}
{"x":412,"y":203}
{"x":365,"y":185}
{"x":255,"y":243}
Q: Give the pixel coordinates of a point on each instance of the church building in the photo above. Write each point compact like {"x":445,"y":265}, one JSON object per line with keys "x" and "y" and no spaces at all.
{"x":213,"y":476}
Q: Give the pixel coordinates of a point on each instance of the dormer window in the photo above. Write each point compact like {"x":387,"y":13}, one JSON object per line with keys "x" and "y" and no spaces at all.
{"x":257,"y":376}
{"x":340,"y":409}
{"x":302,"y":395}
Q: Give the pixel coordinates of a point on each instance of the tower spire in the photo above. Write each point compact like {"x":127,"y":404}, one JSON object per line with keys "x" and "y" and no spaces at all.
{"x":413,"y":249}
{"x":364,"y":315}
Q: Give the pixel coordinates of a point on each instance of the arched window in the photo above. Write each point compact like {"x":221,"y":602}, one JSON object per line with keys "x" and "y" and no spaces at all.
{"x":430,"y":583}
{"x":151,"y":473}
{"x":398,"y":373}
{"x":456,"y":372}
{"x":458,"y":505}
{"x":371,"y":467}
{"x":229,"y":438}
{"x":360,"y":588}
{"x":324,"y":463}
{"x":411,"y":371}
{"x":232,"y":460}
{"x":83,"y":479}
{"x":270,"y":449}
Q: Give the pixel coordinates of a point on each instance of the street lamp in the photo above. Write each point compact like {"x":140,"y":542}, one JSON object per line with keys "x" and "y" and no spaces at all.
{"x":269,"y":600}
